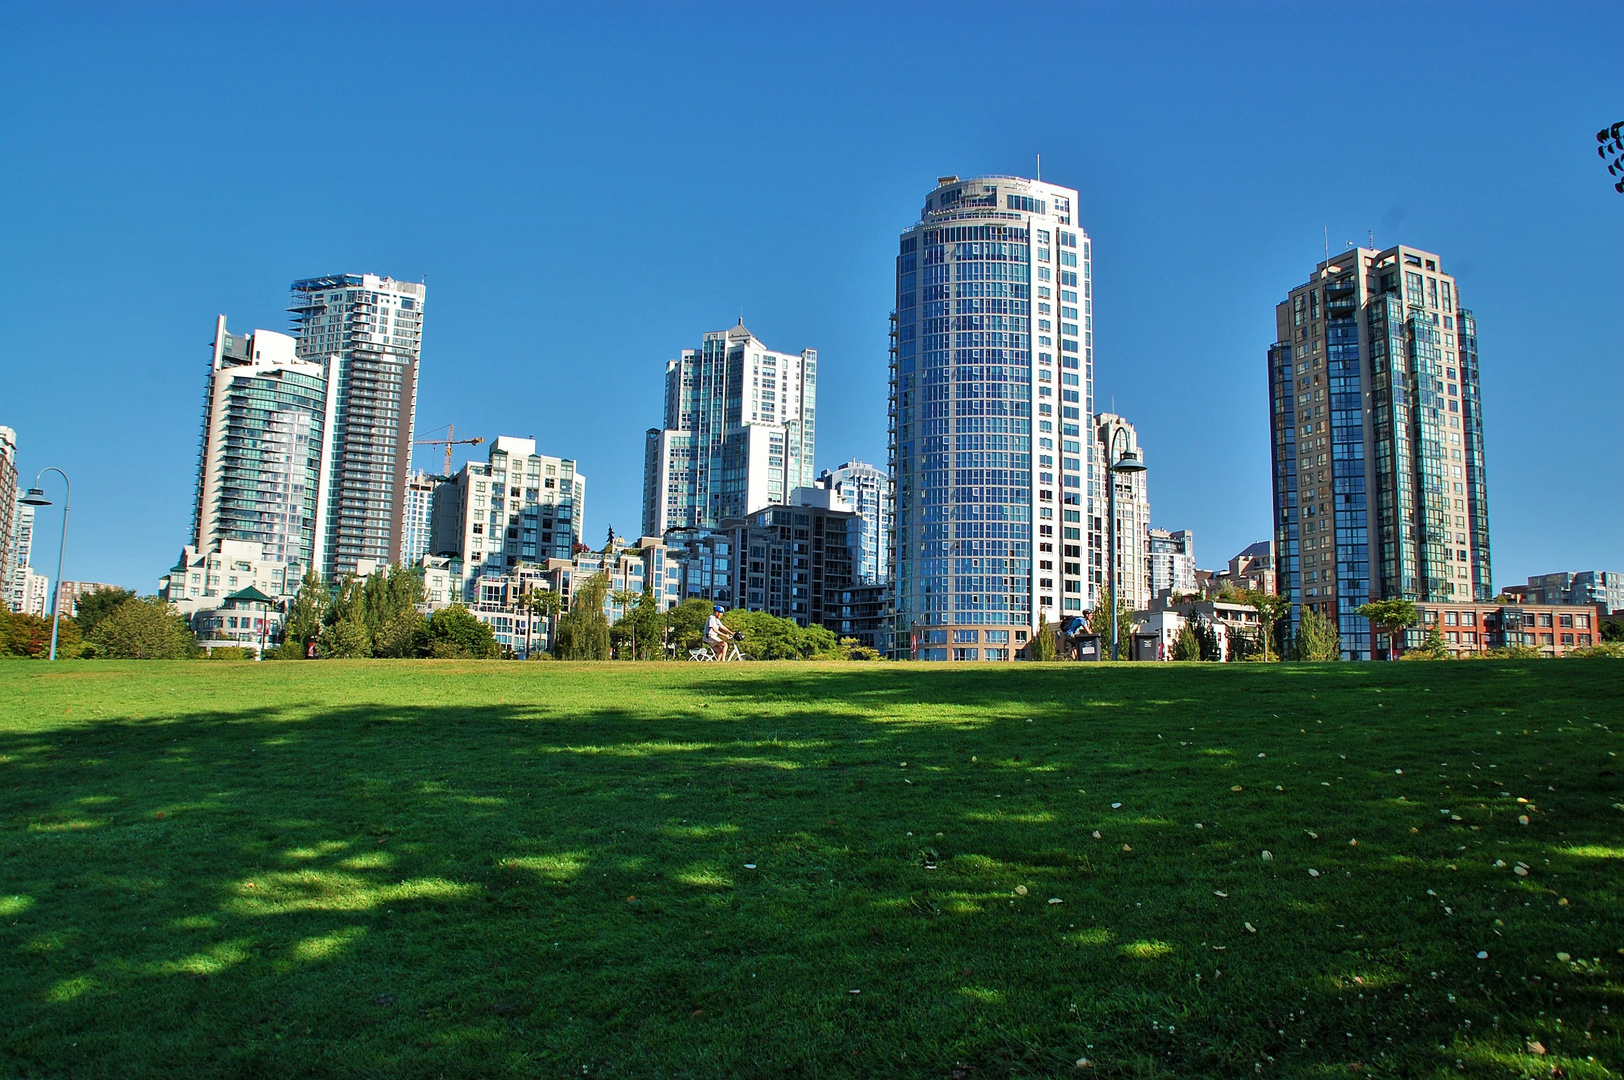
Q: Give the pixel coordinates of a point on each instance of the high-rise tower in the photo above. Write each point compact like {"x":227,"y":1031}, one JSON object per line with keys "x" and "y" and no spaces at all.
{"x":1127,"y":543}
{"x":1379,"y":488}
{"x":374,"y":326}
{"x":867,"y":489}
{"x":266,"y":452}
{"x":740,"y":430}
{"x":991,"y":433}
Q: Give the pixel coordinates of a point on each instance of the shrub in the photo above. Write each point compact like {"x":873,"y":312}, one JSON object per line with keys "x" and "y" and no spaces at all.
{"x":346,"y":639}
{"x":454,"y":634}
{"x":144,"y":629}
{"x":1613,"y":650}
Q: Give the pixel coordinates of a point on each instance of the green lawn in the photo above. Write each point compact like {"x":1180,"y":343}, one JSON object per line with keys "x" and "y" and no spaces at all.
{"x":429,"y":868}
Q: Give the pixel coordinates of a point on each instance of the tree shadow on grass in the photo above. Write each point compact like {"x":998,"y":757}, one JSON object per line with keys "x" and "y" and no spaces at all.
{"x":696,"y":886}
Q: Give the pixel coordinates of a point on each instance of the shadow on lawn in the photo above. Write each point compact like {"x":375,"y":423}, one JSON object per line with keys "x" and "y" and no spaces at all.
{"x":416,"y":884}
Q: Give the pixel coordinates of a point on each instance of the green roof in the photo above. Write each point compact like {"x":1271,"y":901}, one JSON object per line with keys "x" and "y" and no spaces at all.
{"x":252,"y":593}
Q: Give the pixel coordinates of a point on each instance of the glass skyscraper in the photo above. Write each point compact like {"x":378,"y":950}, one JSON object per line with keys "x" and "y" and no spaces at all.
{"x":991,"y":437}
{"x":1377,"y":436}
{"x":374,"y":327}
{"x":739,"y":435}
{"x":266,"y":449}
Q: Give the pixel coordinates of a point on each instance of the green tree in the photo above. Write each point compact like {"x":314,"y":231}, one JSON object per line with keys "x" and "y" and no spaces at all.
{"x":1211,"y":648}
{"x":404,"y":636}
{"x":1042,"y":646}
{"x":540,"y":603}
{"x":1099,"y":623}
{"x":1187,"y":644}
{"x":1243,"y":644}
{"x":1392,"y":617}
{"x":1270,"y":609}
{"x":453,"y":633}
{"x":346,"y":639}
{"x":1612,"y":630}
{"x":1316,"y":638}
{"x":144,"y":629}
{"x":30,"y":636}
{"x":1432,"y":647}
{"x":96,"y":606}
{"x":687,"y":622}
{"x":583,"y":630}
{"x":303,"y":621}
{"x":625,"y":641}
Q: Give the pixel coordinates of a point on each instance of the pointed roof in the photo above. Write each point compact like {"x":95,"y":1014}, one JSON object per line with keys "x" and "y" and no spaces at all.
{"x":251,"y":594}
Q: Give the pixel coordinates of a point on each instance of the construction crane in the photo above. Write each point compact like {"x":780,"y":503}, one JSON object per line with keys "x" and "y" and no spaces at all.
{"x":448,"y":442}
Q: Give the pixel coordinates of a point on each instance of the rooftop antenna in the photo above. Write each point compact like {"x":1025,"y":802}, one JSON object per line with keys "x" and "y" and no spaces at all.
{"x":1372,"y":234}
{"x":1040,"y":167}
{"x":1327,"y":243}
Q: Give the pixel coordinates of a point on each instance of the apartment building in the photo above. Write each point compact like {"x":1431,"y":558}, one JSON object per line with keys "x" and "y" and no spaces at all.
{"x":1125,"y":544}
{"x":1170,"y":563}
{"x":517,"y":506}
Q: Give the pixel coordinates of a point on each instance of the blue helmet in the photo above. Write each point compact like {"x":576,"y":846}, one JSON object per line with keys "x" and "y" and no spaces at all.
{"x":720,"y":609}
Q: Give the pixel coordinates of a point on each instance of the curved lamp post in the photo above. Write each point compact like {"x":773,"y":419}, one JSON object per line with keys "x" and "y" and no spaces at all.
{"x":36,"y":497}
{"x":1128,"y":463}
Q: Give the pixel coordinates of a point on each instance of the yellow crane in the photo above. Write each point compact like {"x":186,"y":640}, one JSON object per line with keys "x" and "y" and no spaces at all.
{"x":448,"y":442}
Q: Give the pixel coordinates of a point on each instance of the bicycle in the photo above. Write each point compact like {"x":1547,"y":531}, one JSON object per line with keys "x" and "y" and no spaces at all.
{"x":704,"y":655}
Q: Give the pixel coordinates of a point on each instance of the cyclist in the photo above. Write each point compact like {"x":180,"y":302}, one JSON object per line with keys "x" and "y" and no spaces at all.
{"x":718,"y":635}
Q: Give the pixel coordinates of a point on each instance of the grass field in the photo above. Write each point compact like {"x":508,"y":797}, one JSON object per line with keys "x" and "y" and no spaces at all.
{"x":441,"y":869}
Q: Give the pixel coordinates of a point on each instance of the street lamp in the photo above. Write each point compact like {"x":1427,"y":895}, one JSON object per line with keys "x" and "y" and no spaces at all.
{"x":36,"y":497}
{"x":1128,"y":463}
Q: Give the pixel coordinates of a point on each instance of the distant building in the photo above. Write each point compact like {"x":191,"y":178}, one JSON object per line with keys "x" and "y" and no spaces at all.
{"x":795,"y":562}
{"x":369,"y":331}
{"x":1132,"y":526}
{"x":516,"y":507}
{"x":418,"y":516}
{"x":33,"y":593}
{"x":1601,"y":587}
{"x":202,"y":580}
{"x":1170,"y":562}
{"x":867,"y":490}
{"x":1553,"y":629}
{"x":267,"y":452}
{"x":9,"y":505}
{"x":246,"y":619}
{"x":69,"y":592}
{"x":739,"y":432}
{"x":1377,"y":438}
{"x":626,"y":567}
{"x":1252,"y":569}
{"x":1163,"y":624}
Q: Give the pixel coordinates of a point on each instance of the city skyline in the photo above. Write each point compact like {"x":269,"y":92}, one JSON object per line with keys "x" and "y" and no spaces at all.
{"x":524,"y":342}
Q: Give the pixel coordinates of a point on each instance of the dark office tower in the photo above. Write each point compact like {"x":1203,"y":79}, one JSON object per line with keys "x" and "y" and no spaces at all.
{"x":374,"y":326}
{"x":1377,"y":425}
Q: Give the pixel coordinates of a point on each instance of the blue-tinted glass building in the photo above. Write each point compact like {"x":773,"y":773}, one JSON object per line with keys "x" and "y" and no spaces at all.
{"x":991,"y":444}
{"x":1377,"y":435}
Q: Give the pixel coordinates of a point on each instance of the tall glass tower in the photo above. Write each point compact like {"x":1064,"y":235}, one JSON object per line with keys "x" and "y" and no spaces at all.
{"x":266,"y":449}
{"x":1377,"y":434}
{"x":374,"y":326}
{"x":992,"y":400}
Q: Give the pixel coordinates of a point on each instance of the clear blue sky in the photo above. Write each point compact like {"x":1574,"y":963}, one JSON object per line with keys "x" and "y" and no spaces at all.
{"x":589,"y":188}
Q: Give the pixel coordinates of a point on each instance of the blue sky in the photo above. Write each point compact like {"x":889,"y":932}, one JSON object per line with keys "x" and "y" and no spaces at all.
{"x":588,"y":189}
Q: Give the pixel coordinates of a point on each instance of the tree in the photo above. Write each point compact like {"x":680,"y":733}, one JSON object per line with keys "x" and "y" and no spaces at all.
{"x":1243,"y":644}
{"x":583,"y":630}
{"x":543,"y":603}
{"x":1211,"y":646}
{"x":346,"y":639}
{"x":96,"y":606}
{"x":1433,"y":646}
{"x":1187,"y":645}
{"x":1099,"y":623}
{"x":30,"y":636}
{"x":1042,"y":645}
{"x":1391,"y":616}
{"x":454,"y":634}
{"x":144,"y":629}
{"x":1612,"y":630}
{"x":1316,"y":638}
{"x":304,"y":618}
{"x":687,"y":622}
{"x":624,"y":599}
{"x":404,"y":636}
{"x":1270,"y":610}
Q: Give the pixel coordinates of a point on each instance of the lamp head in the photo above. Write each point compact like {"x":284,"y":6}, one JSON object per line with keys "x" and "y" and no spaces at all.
{"x":1128,"y":463}
{"x":35,"y":497}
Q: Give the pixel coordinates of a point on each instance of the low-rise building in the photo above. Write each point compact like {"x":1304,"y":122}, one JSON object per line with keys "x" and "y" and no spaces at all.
{"x":1603,"y":588}
{"x":247,"y":619}
{"x":1252,"y":569}
{"x":1553,"y":629}
{"x":203,"y":579}
{"x":69,"y":592}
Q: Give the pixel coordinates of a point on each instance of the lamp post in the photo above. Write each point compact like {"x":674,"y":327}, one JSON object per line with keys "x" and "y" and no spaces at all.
{"x":36,"y":497}
{"x":1128,"y":463}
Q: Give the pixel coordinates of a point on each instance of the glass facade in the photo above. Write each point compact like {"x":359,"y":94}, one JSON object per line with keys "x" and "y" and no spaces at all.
{"x":1377,"y":441}
{"x":991,"y":439}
